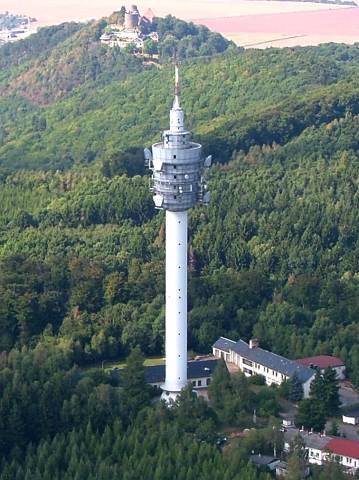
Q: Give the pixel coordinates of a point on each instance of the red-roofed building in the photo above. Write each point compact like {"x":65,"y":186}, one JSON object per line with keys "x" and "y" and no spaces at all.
{"x":322,"y":448}
{"x":324,"y":361}
{"x":149,"y":15}
{"x":345,"y":451}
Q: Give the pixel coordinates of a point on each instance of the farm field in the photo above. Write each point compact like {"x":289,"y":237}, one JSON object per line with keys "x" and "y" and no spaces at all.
{"x":56,"y":11}
{"x":289,"y":29}
{"x":250,"y":23}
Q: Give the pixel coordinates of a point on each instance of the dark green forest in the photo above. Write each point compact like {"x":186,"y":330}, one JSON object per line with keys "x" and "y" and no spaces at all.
{"x":275,"y":255}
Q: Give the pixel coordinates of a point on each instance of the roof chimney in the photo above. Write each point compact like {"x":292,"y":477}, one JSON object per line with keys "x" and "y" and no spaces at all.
{"x":253,"y":343}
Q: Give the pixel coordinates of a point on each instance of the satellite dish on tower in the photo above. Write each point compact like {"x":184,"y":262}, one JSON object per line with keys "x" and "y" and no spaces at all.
{"x":148,"y":156}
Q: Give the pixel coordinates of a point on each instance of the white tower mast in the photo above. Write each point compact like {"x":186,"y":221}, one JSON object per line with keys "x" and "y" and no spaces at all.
{"x":177,"y":165}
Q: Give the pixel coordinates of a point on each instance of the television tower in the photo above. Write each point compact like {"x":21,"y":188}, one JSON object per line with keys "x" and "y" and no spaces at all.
{"x":177,"y":166}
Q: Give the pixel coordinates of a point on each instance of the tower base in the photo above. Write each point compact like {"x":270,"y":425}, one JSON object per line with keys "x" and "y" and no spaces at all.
{"x":169,"y":397}
{"x":170,"y":393}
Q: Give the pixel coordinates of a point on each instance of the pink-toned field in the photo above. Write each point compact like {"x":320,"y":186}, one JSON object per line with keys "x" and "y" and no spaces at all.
{"x":289,"y":28}
{"x":340,"y":22}
{"x":247,"y":22}
{"x":55,"y":11}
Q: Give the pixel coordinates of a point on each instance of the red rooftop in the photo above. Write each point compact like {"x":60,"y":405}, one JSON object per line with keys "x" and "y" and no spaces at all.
{"x":321,"y":361}
{"x":344,"y":447}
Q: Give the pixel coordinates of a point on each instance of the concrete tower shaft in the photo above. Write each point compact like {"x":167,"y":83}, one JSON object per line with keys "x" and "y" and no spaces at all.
{"x":176,"y":303}
{"x":177,"y":166}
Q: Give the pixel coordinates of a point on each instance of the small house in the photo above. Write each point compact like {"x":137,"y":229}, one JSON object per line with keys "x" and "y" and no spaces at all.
{"x":351,"y":417}
{"x":265,"y":462}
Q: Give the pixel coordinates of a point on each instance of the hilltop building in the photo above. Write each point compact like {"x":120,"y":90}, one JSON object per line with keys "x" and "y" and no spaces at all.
{"x":130,"y":31}
{"x":132,"y":18}
{"x":253,"y":360}
{"x":149,"y":15}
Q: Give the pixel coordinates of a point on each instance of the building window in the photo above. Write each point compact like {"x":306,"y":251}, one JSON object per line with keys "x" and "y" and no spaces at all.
{"x":247,"y":362}
{"x":193,"y":383}
{"x":208,"y":381}
{"x":199,"y":383}
{"x":249,"y":372}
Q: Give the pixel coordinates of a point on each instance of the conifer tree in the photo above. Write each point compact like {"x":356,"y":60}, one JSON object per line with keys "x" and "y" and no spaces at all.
{"x":331,"y":387}
{"x":135,"y":391}
{"x":317,"y":389}
{"x":311,"y":415}
{"x":295,"y":389}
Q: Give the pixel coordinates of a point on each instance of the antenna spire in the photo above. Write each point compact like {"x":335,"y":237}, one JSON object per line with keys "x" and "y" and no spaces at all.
{"x":176,"y":103}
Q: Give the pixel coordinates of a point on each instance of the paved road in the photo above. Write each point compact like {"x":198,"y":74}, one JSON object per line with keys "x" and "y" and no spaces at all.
{"x":349,"y":431}
{"x":347,"y":394}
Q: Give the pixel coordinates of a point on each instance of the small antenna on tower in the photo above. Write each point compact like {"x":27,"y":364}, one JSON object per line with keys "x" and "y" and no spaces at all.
{"x":177,"y":84}
{"x":176,"y":103}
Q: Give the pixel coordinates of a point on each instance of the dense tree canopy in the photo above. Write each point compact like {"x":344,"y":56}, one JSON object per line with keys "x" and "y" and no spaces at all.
{"x":82,"y":248}
{"x":274,"y":255}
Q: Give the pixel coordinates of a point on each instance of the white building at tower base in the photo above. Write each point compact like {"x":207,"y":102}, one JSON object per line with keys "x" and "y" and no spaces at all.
{"x":253,"y":360}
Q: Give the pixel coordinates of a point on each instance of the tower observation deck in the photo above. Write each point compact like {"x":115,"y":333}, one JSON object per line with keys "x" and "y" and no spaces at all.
{"x":177,"y":166}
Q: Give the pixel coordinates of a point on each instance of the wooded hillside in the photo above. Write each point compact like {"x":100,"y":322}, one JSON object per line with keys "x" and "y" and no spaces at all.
{"x":82,"y":248}
{"x":282,"y":125}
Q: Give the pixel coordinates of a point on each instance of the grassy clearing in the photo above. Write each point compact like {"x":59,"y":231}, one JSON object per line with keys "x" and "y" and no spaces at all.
{"x":121,"y":363}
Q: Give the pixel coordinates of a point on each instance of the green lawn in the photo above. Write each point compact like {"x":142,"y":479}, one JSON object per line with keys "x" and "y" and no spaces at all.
{"x":109,"y":365}
{"x":121,"y":363}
